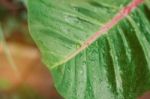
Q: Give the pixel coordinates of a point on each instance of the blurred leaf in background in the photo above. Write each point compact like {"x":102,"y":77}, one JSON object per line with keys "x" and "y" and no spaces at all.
{"x":14,"y":18}
{"x":35,"y":82}
{"x":4,"y":84}
{"x":23,"y":92}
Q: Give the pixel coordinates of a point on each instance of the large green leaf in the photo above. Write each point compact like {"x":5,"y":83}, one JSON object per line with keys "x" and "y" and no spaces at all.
{"x":61,"y":27}
{"x":115,"y":66}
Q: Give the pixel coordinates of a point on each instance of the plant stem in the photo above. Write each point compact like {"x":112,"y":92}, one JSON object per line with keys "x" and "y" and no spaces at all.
{"x":8,"y":54}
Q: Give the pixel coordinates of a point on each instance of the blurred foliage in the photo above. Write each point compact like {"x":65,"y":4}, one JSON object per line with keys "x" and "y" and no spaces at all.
{"x":147,"y":2}
{"x":4,"y":84}
{"x":13,"y":21}
{"x":23,"y":92}
{"x":0,"y":34}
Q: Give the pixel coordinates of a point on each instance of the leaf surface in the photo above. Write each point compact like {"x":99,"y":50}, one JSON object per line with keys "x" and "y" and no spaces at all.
{"x":60,"y":28}
{"x":114,"y":66}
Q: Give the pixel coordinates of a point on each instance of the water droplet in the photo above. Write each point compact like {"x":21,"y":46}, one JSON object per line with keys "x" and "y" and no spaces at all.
{"x":138,"y":24}
{"x":90,"y":88}
{"x":68,"y":70}
{"x":71,"y":19}
{"x":81,"y":72}
{"x":75,"y":8}
{"x":121,"y":5}
{"x":109,"y":87}
{"x":78,"y":45}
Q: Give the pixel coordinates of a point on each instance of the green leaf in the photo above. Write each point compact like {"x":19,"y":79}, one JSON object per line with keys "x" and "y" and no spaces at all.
{"x":61,"y":27}
{"x":114,"y":66}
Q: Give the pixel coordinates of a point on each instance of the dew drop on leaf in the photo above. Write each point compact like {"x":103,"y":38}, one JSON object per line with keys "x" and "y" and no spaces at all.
{"x":78,"y":45}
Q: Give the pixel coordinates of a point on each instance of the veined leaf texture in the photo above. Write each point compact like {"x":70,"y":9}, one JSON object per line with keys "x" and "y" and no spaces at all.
{"x":95,"y":49}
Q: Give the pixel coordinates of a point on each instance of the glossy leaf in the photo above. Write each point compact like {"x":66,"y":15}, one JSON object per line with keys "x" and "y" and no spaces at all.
{"x":115,"y":66}
{"x":61,"y":27}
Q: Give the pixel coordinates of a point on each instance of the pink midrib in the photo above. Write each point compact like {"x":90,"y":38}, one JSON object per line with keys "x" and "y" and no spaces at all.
{"x":106,"y":27}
